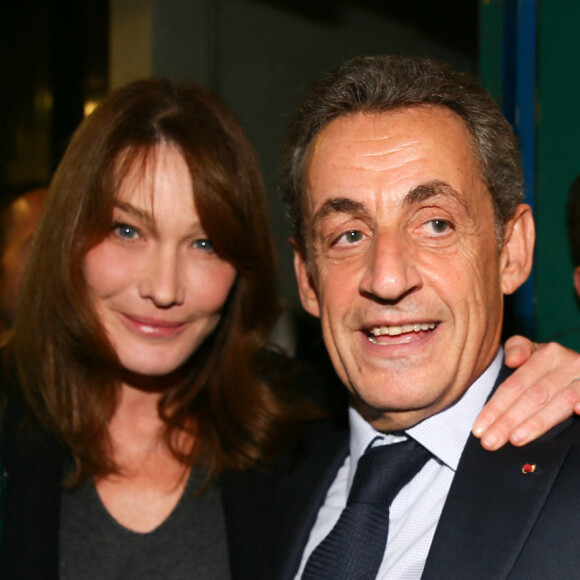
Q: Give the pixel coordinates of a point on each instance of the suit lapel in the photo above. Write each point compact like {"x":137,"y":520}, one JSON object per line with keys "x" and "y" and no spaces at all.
{"x":301,"y":493}
{"x":491,"y":509}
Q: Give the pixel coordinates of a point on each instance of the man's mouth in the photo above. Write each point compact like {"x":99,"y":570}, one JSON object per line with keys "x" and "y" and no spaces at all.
{"x":378,"y":331}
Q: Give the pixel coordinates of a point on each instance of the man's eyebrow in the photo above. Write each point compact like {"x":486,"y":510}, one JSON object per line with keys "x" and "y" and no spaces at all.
{"x":337,"y":205}
{"x":134,"y":211}
{"x":434,"y":189}
{"x":416,"y":195}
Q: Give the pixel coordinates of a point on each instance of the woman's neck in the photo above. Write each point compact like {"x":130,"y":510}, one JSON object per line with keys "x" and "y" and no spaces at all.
{"x":136,"y":429}
{"x":137,"y":406}
{"x":151,"y":479}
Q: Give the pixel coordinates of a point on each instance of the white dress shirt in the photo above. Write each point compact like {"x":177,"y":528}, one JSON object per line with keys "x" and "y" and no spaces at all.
{"x":415,"y":511}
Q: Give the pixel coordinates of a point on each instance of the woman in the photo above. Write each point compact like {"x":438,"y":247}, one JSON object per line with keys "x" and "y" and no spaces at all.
{"x":138,"y":358}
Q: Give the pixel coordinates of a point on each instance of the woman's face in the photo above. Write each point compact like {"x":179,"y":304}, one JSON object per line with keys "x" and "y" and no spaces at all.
{"x":155,"y":281}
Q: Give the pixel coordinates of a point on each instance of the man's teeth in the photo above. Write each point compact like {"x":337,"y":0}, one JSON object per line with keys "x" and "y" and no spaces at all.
{"x":396,"y":330}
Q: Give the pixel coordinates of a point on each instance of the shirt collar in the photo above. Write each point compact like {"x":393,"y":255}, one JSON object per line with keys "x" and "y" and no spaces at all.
{"x":443,"y":434}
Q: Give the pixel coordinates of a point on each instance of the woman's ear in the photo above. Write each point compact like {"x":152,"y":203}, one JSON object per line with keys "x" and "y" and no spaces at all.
{"x":517,"y":250}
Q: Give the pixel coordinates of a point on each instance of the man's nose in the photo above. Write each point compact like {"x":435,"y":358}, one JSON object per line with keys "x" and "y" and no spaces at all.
{"x":391,"y":268}
{"x":162,"y":280}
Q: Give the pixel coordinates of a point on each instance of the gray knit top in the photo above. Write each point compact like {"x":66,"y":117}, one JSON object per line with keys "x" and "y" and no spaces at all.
{"x":190,"y":543}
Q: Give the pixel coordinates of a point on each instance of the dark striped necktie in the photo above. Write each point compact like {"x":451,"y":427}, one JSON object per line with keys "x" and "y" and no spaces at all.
{"x":354,"y":548}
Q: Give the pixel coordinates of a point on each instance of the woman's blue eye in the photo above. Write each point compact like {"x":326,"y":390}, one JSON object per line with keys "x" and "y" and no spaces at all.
{"x":203,"y":245}
{"x":126,"y":231}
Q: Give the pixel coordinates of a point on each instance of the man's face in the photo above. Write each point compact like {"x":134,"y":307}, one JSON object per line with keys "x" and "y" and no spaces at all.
{"x":403,"y":268}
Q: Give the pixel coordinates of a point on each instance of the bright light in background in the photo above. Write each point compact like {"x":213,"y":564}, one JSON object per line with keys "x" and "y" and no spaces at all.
{"x":90,"y":106}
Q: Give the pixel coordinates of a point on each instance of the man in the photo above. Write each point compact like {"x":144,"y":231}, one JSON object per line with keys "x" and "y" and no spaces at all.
{"x":18,"y":223}
{"x":404,"y":185}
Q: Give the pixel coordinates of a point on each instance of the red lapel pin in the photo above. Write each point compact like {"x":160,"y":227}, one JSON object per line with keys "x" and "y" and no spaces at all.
{"x":529,"y":468}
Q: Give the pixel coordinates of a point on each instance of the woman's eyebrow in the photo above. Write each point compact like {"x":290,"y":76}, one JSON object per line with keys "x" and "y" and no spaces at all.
{"x":140,"y":214}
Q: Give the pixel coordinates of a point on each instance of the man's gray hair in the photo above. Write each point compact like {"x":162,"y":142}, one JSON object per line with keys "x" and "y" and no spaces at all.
{"x":377,"y":84}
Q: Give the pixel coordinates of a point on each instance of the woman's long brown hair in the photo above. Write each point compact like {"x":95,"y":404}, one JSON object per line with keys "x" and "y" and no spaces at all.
{"x":68,"y":370}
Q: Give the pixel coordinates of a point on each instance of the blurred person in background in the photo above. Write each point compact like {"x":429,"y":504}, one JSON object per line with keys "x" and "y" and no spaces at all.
{"x":19,"y":219}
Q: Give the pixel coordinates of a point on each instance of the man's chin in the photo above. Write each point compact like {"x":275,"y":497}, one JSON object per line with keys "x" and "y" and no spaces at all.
{"x":388,"y":414}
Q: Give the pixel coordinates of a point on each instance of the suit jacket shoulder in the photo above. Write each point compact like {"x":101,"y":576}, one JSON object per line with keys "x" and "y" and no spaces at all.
{"x":512,"y":513}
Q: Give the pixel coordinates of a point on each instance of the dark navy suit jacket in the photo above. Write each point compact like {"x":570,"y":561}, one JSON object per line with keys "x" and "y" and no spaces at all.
{"x":498,"y":522}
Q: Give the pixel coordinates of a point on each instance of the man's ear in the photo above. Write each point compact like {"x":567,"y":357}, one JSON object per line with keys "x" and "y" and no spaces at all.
{"x":306,"y":289}
{"x":517,"y":251}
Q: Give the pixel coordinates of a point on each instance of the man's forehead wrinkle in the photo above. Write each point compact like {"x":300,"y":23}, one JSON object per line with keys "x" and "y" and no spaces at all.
{"x":383,"y":145}
{"x":381,"y":152}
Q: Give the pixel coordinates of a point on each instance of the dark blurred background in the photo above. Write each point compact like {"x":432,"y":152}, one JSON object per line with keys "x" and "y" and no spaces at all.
{"x":55,"y":57}
{"x":59,"y":57}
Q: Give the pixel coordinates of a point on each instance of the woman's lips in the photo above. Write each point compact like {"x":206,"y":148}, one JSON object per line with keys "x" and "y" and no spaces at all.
{"x":153,"y":327}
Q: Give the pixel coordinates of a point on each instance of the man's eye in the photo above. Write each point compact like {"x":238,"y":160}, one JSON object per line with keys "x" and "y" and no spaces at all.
{"x":126,"y":231}
{"x":203,"y":245}
{"x":350,"y":237}
{"x":437,"y":226}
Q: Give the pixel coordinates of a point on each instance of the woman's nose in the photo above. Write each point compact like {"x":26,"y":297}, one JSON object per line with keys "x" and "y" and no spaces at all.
{"x":162,"y":279}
